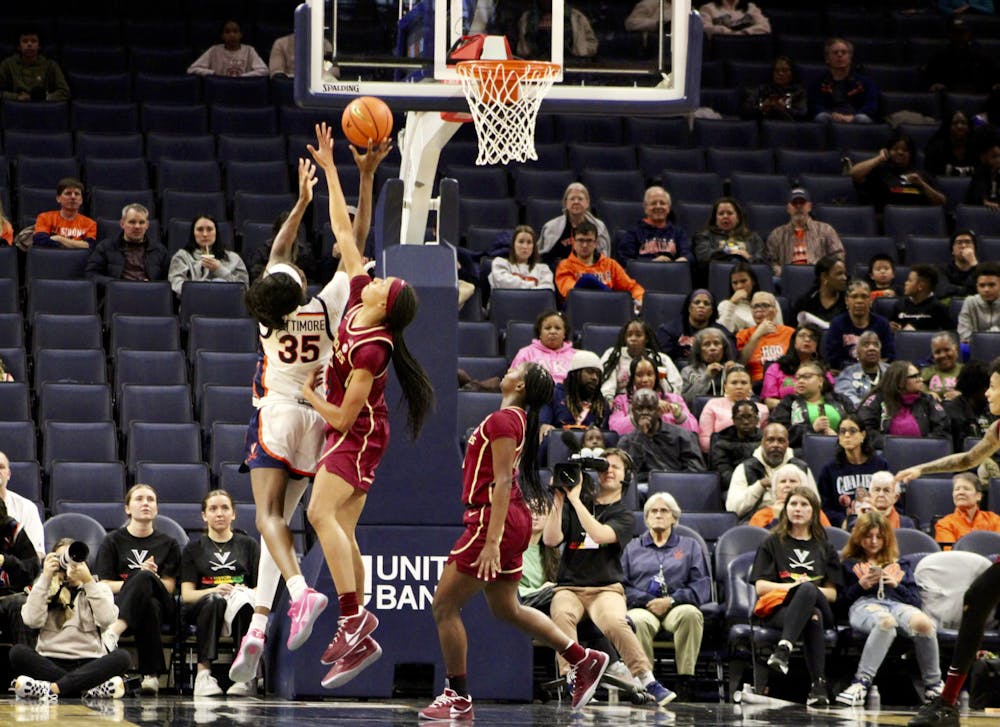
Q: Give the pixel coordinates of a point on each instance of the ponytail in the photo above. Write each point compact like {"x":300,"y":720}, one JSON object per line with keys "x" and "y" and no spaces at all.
{"x":416,"y":386}
{"x":538,"y":387}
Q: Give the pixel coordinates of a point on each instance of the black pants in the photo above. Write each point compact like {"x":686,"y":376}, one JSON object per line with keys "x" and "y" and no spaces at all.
{"x":145,"y":605}
{"x":208,"y":615}
{"x":12,"y":627}
{"x":979,"y":602}
{"x":72,"y":676}
{"x":802,"y":616}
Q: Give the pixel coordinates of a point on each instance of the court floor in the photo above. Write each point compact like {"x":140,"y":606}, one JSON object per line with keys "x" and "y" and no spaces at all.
{"x":182,"y":711}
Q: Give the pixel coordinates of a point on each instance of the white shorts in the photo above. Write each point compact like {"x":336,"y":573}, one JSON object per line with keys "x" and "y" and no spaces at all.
{"x":285,"y":435}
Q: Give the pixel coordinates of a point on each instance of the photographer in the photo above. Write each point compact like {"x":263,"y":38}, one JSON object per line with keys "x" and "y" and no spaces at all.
{"x":71,"y":608}
{"x":595,"y":528}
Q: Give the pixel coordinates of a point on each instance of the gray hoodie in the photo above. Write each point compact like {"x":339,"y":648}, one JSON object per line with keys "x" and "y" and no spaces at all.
{"x":978,"y":316}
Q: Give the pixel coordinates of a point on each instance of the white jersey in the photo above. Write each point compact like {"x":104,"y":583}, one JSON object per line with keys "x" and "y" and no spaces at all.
{"x":288,"y":357}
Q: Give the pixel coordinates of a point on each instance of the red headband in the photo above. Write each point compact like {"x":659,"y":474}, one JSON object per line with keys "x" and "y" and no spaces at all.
{"x":394,"y":289}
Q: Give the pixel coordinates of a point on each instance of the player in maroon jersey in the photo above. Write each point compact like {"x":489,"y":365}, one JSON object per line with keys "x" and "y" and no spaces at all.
{"x":487,"y":557}
{"x":357,"y":434}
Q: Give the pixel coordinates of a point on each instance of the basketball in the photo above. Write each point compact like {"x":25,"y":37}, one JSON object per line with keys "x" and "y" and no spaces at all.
{"x":365,"y":119}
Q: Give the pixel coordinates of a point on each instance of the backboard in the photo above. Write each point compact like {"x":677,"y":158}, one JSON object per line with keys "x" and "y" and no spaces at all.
{"x":398,"y":50}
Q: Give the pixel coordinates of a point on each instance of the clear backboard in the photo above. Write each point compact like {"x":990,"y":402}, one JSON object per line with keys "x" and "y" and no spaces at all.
{"x":631,"y":57}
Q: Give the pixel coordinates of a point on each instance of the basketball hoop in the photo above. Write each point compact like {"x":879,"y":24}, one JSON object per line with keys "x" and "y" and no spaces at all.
{"x":504,"y":96}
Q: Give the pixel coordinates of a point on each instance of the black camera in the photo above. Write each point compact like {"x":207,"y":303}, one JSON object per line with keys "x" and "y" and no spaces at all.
{"x":77,"y":552}
{"x":566,"y":474}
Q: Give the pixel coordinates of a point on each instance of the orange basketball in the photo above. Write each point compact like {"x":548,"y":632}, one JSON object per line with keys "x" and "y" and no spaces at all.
{"x":365,"y":119}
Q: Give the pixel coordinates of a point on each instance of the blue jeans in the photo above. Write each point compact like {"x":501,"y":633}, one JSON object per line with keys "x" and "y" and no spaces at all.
{"x":882,"y":620}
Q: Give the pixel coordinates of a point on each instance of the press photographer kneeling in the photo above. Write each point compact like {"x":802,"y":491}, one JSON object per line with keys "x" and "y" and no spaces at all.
{"x":70,"y":608}
{"x":595,"y":527}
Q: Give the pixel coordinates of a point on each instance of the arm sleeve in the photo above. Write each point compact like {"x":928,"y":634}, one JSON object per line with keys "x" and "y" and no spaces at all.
{"x":772,"y":378}
{"x":257,"y":65}
{"x":502,"y":275}
{"x":35,"y":610}
{"x":202,"y":65}
{"x":57,"y":88}
{"x":764,"y":567}
{"x":706,"y":423}
{"x":761,"y":25}
{"x":171,"y":567}
{"x":635,"y":596}
{"x":177,"y":273}
{"x":690,"y":452}
{"x":233,"y":270}
{"x":965,"y":320}
{"x":697,"y":590}
{"x":97,"y":265}
{"x":628,"y":246}
{"x":619,"y":420}
{"x":189,"y":573}
{"x":102,"y":603}
{"x":870,"y":106}
{"x":565,"y":279}
{"x":21,"y":563}
{"x":940,"y":425}
{"x":107,"y":561}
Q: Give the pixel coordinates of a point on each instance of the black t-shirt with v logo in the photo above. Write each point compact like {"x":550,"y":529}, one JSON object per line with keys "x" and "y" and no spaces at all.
{"x":122,"y":555}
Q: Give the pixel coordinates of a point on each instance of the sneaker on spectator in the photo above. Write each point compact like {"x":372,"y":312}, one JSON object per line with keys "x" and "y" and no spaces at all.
{"x":818,"y":695}
{"x":244,"y":666}
{"x":243,"y":689}
{"x":150,"y":685}
{"x":113,"y":688}
{"x":936,"y":713}
{"x":351,"y":631}
{"x":934,"y":691}
{"x":353,"y":663}
{"x":779,"y":658}
{"x":854,"y":695}
{"x":205,"y":684}
{"x":449,"y":706}
{"x":585,"y":675}
{"x":660,"y":694}
{"x":303,"y":614}
{"x":36,"y":690}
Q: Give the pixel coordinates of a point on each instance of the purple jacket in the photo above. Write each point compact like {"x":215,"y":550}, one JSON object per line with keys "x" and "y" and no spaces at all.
{"x":685,"y":569}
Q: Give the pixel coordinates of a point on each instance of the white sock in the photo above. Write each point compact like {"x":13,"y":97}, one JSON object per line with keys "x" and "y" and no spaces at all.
{"x":258,"y":621}
{"x":646,"y":677}
{"x":296,"y":587}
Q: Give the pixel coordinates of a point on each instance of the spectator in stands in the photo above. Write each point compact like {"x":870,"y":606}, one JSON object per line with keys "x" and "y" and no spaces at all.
{"x":920,"y":310}
{"x":645,"y":16}
{"x":882,"y":276}
{"x":735,"y":443}
{"x":891,"y":177}
{"x":900,"y":407}
{"x":218,"y":575}
{"x":141,"y":566}
{"x":727,"y":236}
{"x":803,"y":240}
{"x":783,"y":480}
{"x":847,"y":478}
{"x":782,"y":99}
{"x":230,"y":57}
{"x":962,"y":66}
{"x":698,"y":313}
{"x":19,"y":565}
{"x":711,"y":350}
{"x":857,"y":380}
{"x":522,"y":269}
{"x":826,"y":300}
{"x":69,"y":607}
{"x":281,"y":61}
{"x":883,"y":600}
{"x":841,"y":95}
{"x":302,"y":255}
{"x":842,"y":337}
{"x":636,"y":339}
{"x":550,"y":346}
{"x":534,"y":37}
{"x":779,"y":377}
{"x":643,"y":375}
{"x":5,"y":375}
{"x":883,"y":493}
{"x":577,"y":401}
{"x":969,"y":414}
{"x":27,"y":75}
{"x":556,"y":237}
{"x":539,"y":565}
{"x":735,"y":312}
{"x":940,"y":378}
{"x":587,"y":269}
{"x":205,"y":258}
{"x":985,"y":186}
{"x":750,"y":487}
{"x":655,"y":238}
{"x":814,"y":407}
{"x":132,"y":255}
{"x":21,"y":508}
{"x":733,"y":17}
{"x":967,"y":494}
{"x":961,"y":269}
{"x":590,"y":578}
{"x":655,"y":444}
{"x":66,"y":227}
{"x":796,"y":576}
{"x":949,"y":152}
{"x":666,"y":579}
{"x":981,"y":312}
{"x":767,"y":341}
{"x":717,"y":414}
{"x":6,"y":227}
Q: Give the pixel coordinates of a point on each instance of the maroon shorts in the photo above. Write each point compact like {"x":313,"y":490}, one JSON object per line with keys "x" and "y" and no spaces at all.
{"x":354,"y":455}
{"x":513,"y":542}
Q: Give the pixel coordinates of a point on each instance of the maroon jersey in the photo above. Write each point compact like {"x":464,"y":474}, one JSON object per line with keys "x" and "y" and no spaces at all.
{"x":477,"y":470}
{"x":359,"y":348}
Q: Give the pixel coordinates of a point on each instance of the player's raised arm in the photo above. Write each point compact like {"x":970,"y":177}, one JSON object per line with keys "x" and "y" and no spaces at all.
{"x":340,"y":221}
{"x":283,"y":248}
{"x":367,"y":164}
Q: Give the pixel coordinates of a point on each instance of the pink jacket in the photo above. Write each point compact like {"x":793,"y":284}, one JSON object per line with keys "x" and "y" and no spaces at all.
{"x":717,"y":415}
{"x":556,"y":362}
{"x":620,"y":422}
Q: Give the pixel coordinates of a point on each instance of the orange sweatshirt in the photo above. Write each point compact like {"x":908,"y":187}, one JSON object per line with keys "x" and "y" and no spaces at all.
{"x":604,"y":268}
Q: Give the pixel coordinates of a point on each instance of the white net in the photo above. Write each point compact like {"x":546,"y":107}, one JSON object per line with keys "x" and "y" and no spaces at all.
{"x":504,"y":97}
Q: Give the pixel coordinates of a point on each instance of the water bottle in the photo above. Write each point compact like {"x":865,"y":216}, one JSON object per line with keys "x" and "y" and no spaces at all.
{"x":874,"y":699}
{"x":963,"y":702}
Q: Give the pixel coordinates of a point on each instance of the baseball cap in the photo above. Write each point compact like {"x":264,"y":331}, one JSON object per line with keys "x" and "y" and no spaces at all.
{"x":584,"y":360}
{"x":799,"y":193}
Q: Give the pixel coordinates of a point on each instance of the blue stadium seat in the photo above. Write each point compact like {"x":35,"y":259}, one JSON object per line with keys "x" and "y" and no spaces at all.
{"x":74,"y":402}
{"x":217,"y":300}
{"x":157,"y":403}
{"x":540,"y":183}
{"x":859,"y":250}
{"x":257,"y":178}
{"x":654,"y":159}
{"x":856,"y":220}
{"x":51,"y":144}
{"x":234,"y":335}
{"x":176,"y":482}
{"x":104,"y":116}
{"x":162,"y":442}
{"x":727,"y":162}
{"x":703,"y":186}
{"x":865,"y":137}
{"x":118,"y":174}
{"x":623,"y":186}
{"x":928,"y":499}
{"x":227,"y":444}
{"x":911,"y":541}
{"x":225,"y":404}
{"x":186,"y":206}
{"x":794,"y":163}
{"x":150,"y":368}
{"x":903,"y":452}
{"x":188,"y":176}
{"x":17,"y":439}
{"x":174,"y":118}
{"x":249,"y":207}
{"x":77,"y":526}
{"x":607,"y":307}
{"x":78,"y":442}
{"x":44,"y":172}
{"x":661,"y":277}
{"x":751,"y":188}
{"x":55,"y":264}
{"x":100,"y":86}
{"x":108,"y":203}
{"x":70,"y":297}
{"x":243,"y":121}
{"x":108,"y":146}
{"x":658,"y":308}
{"x":661,"y":132}
{"x":94,"y":58}
{"x":35,"y":116}
{"x":14,"y":401}
{"x":473,"y":407}
{"x":477,"y":338}
{"x":184,"y":146}
{"x":152,"y":298}
{"x":830,"y":189}
{"x":922,"y":249}
{"x":55,"y":330}
{"x":589,"y":129}
{"x":235,"y":92}
{"x":225,"y":369}
{"x":608,"y":157}
{"x":694,"y":492}
{"x":477,"y":181}
{"x":250,"y":149}
{"x":901,"y":221}
{"x":11,"y":330}
{"x":487,"y":213}
{"x":714,"y":133}
{"x":86,"y":481}
{"x":162,"y":85}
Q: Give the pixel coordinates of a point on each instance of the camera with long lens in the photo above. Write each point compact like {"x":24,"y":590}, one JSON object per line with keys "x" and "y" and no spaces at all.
{"x":566,"y":474}
{"x":77,"y":552}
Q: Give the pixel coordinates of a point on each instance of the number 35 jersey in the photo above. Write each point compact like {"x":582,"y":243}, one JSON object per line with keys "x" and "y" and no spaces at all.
{"x":287,"y":358}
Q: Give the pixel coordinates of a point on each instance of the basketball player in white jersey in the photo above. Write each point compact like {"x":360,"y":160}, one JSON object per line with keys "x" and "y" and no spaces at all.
{"x":285,"y":437}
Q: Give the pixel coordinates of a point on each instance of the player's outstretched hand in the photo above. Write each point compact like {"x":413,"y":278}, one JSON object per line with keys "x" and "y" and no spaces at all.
{"x":323,"y":151}
{"x":307,"y":180}
{"x":373,"y":156}
{"x":910,"y":473}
